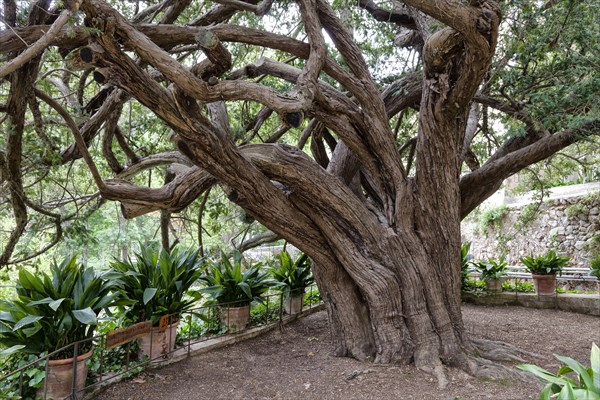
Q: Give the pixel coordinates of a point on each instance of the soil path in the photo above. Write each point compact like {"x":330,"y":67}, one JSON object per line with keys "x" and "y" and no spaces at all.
{"x":297,"y":364}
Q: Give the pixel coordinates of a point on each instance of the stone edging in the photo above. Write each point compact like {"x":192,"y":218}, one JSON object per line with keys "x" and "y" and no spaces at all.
{"x":577,"y":303}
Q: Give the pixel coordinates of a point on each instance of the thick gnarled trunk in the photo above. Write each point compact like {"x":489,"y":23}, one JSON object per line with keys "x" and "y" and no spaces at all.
{"x":391,"y":306}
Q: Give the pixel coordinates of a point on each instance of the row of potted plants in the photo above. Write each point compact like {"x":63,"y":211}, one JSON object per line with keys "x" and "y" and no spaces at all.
{"x":54,"y":310}
{"x":543,"y":269}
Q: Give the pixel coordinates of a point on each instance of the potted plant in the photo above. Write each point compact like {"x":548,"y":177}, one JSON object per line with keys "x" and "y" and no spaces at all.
{"x":543,"y":269}
{"x":595,"y":268}
{"x":233,"y":288}
{"x":292,"y":277}
{"x":57,"y":314}
{"x":493,"y":273}
{"x":158,"y":282}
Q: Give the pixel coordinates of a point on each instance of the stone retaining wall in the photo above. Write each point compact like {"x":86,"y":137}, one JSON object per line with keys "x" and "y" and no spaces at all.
{"x":577,"y":303}
{"x":569,"y":225}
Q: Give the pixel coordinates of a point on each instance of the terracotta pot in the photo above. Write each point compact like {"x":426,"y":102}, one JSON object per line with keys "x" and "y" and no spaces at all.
{"x":293,"y":305}
{"x":545,"y":285}
{"x":58,"y":384}
{"x":494,"y":285}
{"x":235,"y":318}
{"x":158,"y":344}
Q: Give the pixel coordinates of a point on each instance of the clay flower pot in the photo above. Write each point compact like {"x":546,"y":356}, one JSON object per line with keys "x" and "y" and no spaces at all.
{"x":494,"y":285}
{"x":58,"y":383}
{"x":545,"y":285}
{"x":158,"y":344}
{"x":235,"y":318}
{"x":293,"y":304}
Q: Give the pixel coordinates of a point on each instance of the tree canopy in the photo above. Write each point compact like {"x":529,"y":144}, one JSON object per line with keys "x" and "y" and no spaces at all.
{"x":542,"y":82}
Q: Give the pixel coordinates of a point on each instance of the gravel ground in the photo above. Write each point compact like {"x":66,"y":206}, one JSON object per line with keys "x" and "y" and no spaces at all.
{"x":297,"y":364}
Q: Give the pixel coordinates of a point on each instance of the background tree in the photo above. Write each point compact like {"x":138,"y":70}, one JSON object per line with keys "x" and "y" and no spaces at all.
{"x":399,"y":103}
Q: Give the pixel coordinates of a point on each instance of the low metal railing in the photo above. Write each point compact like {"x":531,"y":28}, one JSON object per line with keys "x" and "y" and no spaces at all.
{"x":575,"y":274}
{"x":194,"y":326}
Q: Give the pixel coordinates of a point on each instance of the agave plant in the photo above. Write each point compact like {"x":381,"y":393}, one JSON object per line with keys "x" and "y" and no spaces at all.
{"x":547,"y":264}
{"x":229,"y":283}
{"x":53,"y":311}
{"x":158,"y":282}
{"x":562,"y":387}
{"x":293,"y":277}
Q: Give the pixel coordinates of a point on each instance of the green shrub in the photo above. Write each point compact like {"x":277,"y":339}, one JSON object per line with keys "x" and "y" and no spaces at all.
{"x":561,"y":386}
{"x":268,"y":311}
{"x":312,"y":297}
{"x":520,"y":287}
{"x":492,"y":217}
{"x":475,"y":287}
{"x":33,"y":377}
{"x":575,"y":210}
{"x":528,"y":215}
{"x":196,"y":325}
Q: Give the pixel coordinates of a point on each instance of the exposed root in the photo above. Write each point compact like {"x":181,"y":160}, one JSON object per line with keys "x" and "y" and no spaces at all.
{"x":438,"y":373}
{"x":500,"y":351}
{"x":482,"y":368}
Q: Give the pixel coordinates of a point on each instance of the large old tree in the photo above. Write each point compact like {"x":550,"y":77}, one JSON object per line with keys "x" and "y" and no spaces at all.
{"x":376,"y":203}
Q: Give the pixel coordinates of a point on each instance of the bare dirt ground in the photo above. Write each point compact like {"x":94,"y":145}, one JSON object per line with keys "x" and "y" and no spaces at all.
{"x":297,"y":364}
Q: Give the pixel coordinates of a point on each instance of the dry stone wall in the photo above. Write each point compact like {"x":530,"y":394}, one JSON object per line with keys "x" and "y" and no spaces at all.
{"x":569,"y":225}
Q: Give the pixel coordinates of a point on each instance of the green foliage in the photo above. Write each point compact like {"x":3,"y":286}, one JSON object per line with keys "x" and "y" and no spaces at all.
{"x":547,"y":264}
{"x":593,"y":243}
{"x":561,"y":387}
{"x":492,"y":217}
{"x":502,"y":246}
{"x":576,"y":210}
{"x":196,"y":325}
{"x":158,"y":282}
{"x":591,"y":199}
{"x":312,"y":297}
{"x":595,"y":265}
{"x":528,"y":215}
{"x":492,"y":269}
{"x":520,"y":287}
{"x":33,"y":377}
{"x":293,"y":276}
{"x":475,"y":287}
{"x":53,"y":311}
{"x":265,"y":312}
{"x":229,"y":283}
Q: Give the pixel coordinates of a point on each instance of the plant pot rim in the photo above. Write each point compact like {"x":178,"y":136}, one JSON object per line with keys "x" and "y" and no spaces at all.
{"x":63,"y":361}
{"x":543,"y":275}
